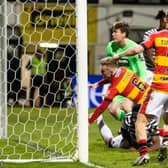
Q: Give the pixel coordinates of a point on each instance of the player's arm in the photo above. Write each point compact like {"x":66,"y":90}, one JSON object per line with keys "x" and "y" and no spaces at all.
{"x":103,"y":106}
{"x":100,"y":109}
{"x":99,"y":83}
{"x":140,"y":67}
{"x":149,"y":55}
{"x":149,"y":52}
{"x":109,"y":50}
{"x":130,"y":52}
{"x":156,"y":143}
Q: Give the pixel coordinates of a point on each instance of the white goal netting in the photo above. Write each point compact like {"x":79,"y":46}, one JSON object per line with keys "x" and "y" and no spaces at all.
{"x":37,"y":86}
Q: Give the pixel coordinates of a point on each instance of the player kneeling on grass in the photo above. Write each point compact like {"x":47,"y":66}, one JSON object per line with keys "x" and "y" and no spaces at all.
{"x":127,"y":138}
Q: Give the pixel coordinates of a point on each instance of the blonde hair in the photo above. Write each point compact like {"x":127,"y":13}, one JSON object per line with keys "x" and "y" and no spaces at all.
{"x":109,"y":62}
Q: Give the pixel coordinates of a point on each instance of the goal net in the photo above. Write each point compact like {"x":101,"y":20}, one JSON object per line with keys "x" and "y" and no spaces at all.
{"x":42,"y":45}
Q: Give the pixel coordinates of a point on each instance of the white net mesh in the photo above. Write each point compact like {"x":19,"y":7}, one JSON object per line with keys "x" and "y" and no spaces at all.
{"x":41,"y":61}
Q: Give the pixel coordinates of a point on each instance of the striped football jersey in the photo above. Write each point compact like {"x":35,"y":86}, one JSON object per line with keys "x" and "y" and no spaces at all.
{"x":159,"y":41}
{"x":126,"y":83}
{"x":128,"y":129}
{"x":145,"y":37}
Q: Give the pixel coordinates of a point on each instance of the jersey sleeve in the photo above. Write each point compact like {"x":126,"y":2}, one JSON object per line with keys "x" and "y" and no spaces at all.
{"x":141,"y":67}
{"x":148,"y":43}
{"x":109,"y":50}
{"x":100,"y":109}
{"x":102,"y":82}
{"x":148,"y":32}
{"x":111,"y":93}
{"x":138,"y":66}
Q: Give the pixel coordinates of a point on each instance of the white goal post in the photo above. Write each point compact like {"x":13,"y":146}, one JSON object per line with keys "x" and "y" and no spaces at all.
{"x":82,"y":79}
{"x":49,"y":126}
{"x":3,"y":70}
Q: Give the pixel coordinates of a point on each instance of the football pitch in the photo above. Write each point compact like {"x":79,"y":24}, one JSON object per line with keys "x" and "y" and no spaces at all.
{"x":99,"y":153}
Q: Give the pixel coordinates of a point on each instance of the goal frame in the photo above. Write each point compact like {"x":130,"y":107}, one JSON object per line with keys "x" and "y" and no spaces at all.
{"x":3,"y":70}
{"x":82,"y":80}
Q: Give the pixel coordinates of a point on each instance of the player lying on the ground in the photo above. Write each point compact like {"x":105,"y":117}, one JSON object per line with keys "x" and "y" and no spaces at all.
{"x":127,"y":138}
{"x":122,"y":81}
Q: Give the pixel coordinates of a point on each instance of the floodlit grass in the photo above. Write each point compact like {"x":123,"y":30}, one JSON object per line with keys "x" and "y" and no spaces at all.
{"x":99,"y":154}
{"x":35,"y":133}
{"x":114,"y":157}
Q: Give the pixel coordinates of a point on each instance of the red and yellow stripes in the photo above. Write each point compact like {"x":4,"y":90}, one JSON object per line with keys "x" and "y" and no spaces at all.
{"x":124,"y":80}
{"x":160,"y":78}
{"x":159,"y":40}
{"x":132,"y":87}
{"x":161,"y":60}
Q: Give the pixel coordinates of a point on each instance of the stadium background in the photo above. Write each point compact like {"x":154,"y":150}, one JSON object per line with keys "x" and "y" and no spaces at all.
{"x":101,"y":15}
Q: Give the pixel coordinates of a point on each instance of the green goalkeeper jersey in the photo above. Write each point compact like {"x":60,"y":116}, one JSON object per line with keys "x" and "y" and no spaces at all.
{"x":136,"y":62}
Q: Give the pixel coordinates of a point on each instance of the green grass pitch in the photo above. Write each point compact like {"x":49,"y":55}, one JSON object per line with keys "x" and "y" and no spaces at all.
{"x":99,"y":154}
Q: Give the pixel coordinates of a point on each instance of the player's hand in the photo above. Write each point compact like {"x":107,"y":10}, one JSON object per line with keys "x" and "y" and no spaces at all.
{"x":116,"y":57}
{"x":93,"y":85}
{"x":90,"y":119}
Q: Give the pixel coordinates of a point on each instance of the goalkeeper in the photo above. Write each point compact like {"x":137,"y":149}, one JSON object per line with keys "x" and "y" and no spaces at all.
{"x":121,"y":105}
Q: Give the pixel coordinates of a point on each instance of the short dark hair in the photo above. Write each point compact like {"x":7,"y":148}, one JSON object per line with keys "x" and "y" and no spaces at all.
{"x":160,"y":14}
{"x":123,"y":26}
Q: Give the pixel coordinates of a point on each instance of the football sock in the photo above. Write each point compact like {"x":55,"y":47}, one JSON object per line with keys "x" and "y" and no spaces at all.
{"x":143,"y":149}
{"x":120,"y":115}
{"x":104,"y":131}
{"x":165,"y":137}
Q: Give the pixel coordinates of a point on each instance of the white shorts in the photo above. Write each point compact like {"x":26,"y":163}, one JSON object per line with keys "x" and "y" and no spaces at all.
{"x":149,"y":77}
{"x":157,"y":104}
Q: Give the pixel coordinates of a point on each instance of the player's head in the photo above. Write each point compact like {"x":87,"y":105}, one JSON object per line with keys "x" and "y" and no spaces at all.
{"x":166,"y":20}
{"x":161,"y":17}
{"x":108,"y":66}
{"x":120,"y":30}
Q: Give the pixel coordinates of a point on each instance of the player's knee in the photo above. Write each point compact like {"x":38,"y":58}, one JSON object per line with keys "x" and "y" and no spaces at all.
{"x":119,"y":115}
{"x":113,"y":110}
{"x":127,"y":109}
{"x":127,"y":106}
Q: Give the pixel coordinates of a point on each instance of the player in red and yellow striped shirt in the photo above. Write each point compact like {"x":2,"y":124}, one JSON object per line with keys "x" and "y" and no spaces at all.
{"x":157,"y":101}
{"x":122,"y":81}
